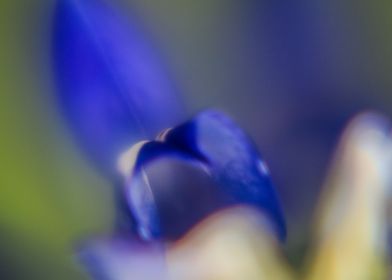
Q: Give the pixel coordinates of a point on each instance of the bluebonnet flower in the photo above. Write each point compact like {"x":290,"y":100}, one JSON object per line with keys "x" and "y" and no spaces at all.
{"x":116,"y":96}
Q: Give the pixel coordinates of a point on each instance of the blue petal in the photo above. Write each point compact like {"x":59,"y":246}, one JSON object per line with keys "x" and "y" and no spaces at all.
{"x":111,"y":85}
{"x":234,"y":162}
{"x":216,"y":143}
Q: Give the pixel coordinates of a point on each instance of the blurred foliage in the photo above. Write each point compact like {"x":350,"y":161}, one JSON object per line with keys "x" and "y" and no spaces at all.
{"x":49,"y":195}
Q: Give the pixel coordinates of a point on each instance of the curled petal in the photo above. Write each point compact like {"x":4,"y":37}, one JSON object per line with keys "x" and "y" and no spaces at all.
{"x":212,"y":142}
{"x":352,"y":223}
{"x":111,"y":85}
{"x":233,"y":161}
{"x":139,"y":191}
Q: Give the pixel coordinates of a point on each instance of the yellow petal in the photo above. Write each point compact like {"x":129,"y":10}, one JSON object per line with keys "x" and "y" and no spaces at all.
{"x":233,"y":244}
{"x":351,"y":223}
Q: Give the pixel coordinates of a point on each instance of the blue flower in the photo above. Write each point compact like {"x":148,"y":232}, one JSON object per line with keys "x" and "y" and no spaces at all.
{"x":114,"y":93}
{"x":117,"y":98}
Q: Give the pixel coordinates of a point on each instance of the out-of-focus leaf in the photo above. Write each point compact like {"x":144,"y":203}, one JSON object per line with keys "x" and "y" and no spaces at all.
{"x":111,"y":86}
{"x":352,"y":225}
{"x":216,"y":145}
{"x":232,"y":244}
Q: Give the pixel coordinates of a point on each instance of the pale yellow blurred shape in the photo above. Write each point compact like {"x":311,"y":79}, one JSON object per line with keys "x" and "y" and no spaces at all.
{"x":233,"y":244}
{"x":351,"y":224}
{"x":127,"y":160}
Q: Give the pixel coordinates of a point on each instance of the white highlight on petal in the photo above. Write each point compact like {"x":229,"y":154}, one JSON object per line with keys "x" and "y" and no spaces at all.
{"x":127,"y":160}
{"x":263,"y":167}
{"x":162,"y":136}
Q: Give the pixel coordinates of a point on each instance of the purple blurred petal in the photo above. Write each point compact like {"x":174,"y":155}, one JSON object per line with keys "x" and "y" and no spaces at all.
{"x":120,"y":258}
{"x":112,"y":88}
